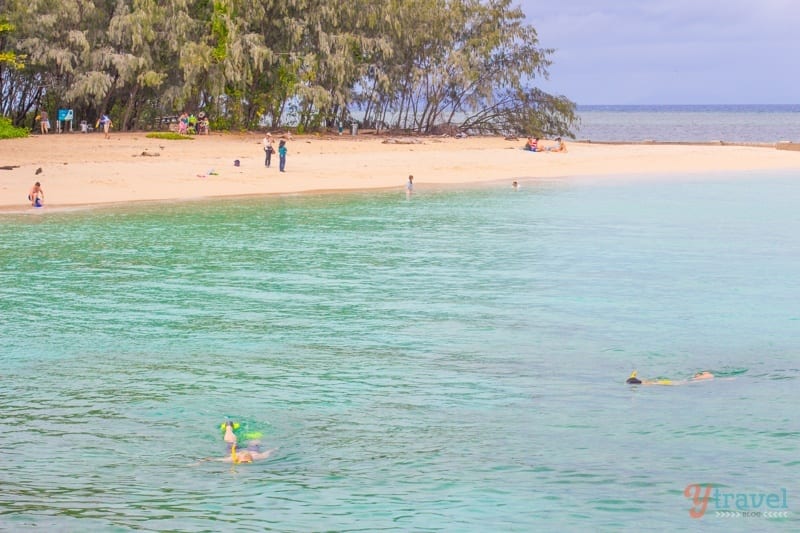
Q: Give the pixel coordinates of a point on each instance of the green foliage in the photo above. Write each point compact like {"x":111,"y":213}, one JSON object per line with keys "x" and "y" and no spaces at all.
{"x":8,"y":131}
{"x":410,"y":64}
{"x":220,"y":123}
{"x":168,"y":135}
{"x":9,"y":57}
{"x":219,"y":32}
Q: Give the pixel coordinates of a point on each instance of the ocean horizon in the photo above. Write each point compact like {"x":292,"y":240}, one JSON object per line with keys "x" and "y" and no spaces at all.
{"x":744,"y":123}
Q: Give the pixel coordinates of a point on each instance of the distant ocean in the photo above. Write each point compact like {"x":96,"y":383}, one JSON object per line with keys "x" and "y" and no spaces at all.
{"x":690,"y":123}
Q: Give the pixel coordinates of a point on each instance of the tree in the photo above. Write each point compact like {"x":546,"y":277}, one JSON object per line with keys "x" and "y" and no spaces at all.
{"x":13,"y":90}
{"x":416,"y":65}
{"x":8,"y":58}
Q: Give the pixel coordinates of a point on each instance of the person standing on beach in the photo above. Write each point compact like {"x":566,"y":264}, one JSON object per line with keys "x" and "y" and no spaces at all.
{"x":44,"y":121}
{"x":282,"y":155}
{"x":410,"y":185}
{"x":268,"y":150}
{"x":36,"y":195}
{"x":107,"y":124}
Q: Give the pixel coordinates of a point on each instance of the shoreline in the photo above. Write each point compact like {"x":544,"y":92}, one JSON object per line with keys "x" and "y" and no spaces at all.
{"x":79,"y":170}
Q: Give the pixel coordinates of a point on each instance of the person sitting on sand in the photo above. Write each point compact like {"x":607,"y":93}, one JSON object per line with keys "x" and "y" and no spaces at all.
{"x":36,"y":196}
{"x":700,"y":376}
{"x":560,"y":146}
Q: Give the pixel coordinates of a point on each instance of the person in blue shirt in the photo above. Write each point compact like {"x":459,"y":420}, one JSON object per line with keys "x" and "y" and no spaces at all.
{"x":282,"y":155}
{"x":105,"y":120}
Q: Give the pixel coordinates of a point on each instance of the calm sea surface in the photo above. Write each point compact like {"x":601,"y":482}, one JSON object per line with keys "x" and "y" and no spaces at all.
{"x":690,"y":123}
{"x":455,"y":362}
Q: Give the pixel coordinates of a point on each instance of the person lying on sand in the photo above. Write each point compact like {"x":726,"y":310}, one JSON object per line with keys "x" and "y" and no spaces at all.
{"x":532,"y":145}
{"x":700,"y":376}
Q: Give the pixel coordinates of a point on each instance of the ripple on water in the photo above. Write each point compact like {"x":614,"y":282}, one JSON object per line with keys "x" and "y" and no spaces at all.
{"x":452,"y":362}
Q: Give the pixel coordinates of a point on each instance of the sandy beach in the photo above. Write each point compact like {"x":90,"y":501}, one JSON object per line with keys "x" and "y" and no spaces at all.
{"x":86,"y":169}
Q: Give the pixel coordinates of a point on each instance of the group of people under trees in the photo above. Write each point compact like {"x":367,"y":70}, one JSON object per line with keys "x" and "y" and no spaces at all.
{"x":533,"y":145}
{"x":193,"y":124}
{"x":104,"y":121}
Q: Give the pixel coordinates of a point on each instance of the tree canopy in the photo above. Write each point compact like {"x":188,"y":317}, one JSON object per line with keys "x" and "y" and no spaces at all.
{"x":414,"y":65}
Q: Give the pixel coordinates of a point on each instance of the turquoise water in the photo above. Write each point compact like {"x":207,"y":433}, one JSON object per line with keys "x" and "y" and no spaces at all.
{"x":453,"y":362}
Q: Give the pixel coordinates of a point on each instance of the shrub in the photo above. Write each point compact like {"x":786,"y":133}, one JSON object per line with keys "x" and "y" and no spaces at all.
{"x":8,"y":131}
{"x":168,"y":135}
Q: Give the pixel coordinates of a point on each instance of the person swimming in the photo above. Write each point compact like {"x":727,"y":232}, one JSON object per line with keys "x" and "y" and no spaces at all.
{"x":246,"y":456}
{"x":633,"y":379}
{"x":252,"y":452}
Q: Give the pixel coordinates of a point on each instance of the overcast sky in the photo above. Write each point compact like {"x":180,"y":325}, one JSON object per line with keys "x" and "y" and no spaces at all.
{"x":671,"y":51}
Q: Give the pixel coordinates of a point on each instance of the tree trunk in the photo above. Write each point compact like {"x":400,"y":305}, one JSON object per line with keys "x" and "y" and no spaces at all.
{"x":107,"y":98}
{"x":129,"y":108}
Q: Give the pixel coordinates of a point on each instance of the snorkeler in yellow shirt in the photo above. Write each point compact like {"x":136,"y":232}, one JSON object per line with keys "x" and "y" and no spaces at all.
{"x":700,"y":376}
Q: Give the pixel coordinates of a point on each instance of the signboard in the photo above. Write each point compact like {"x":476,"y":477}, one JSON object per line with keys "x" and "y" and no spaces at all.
{"x":65,"y":114}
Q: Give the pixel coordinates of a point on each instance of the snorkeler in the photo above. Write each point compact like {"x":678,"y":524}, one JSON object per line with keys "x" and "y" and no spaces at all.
{"x":700,"y":376}
{"x":252,"y":452}
{"x":246,"y":456}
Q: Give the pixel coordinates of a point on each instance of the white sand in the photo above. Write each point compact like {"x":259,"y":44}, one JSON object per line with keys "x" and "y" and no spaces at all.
{"x":86,"y":169}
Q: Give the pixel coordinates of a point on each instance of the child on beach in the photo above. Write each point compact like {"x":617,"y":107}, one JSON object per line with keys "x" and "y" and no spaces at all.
{"x":36,"y":195}
{"x":105,"y":120}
